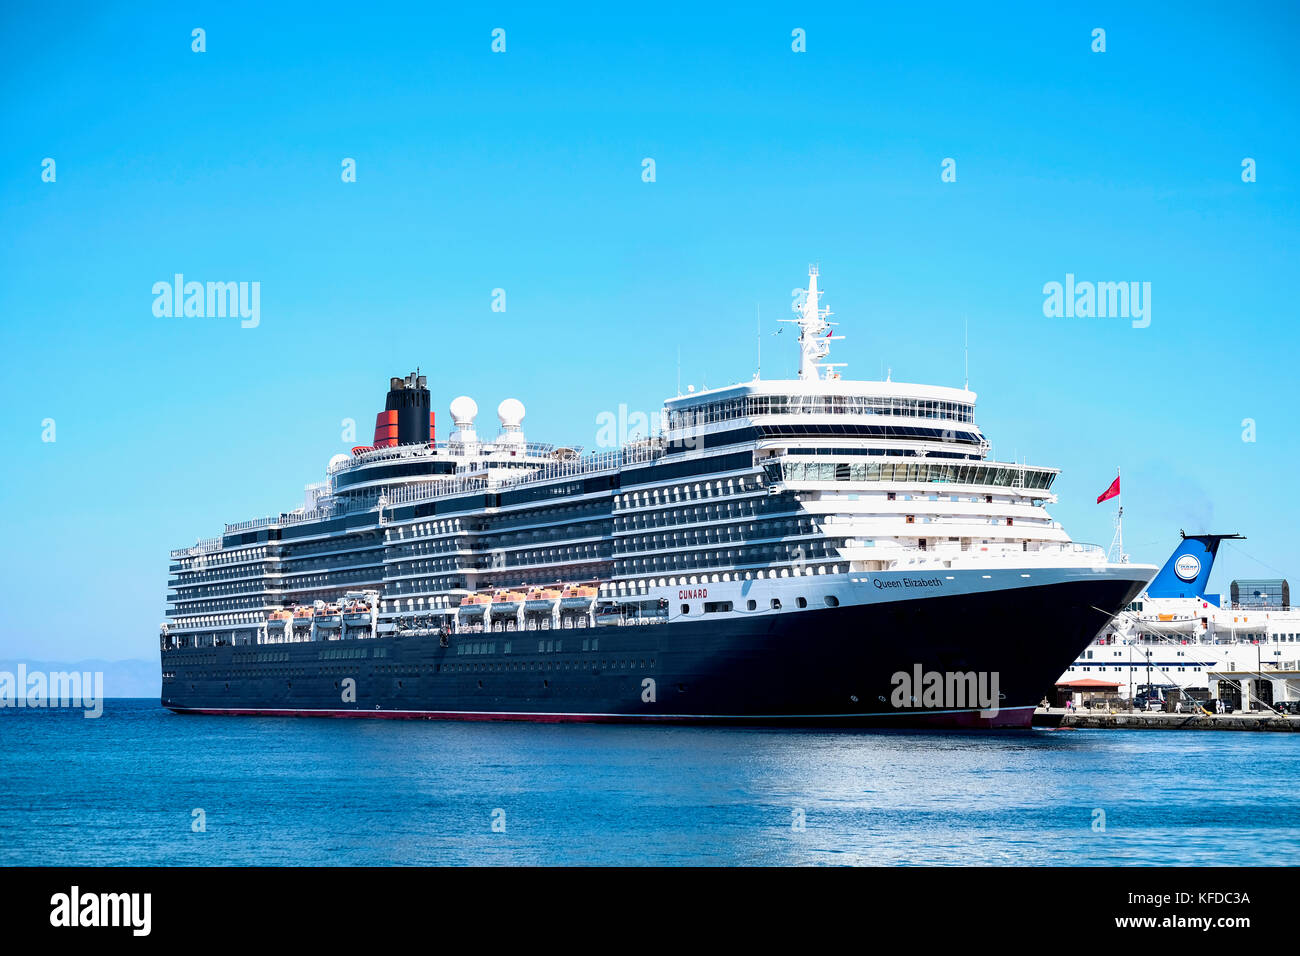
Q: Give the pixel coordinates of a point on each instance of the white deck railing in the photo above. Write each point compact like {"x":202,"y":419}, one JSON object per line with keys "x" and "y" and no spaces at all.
{"x":459,"y":485}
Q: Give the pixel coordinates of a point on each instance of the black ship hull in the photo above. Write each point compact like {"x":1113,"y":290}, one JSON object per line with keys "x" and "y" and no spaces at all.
{"x":833,"y":666}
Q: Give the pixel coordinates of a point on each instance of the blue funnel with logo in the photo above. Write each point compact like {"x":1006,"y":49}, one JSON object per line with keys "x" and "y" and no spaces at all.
{"x":1187,"y":572}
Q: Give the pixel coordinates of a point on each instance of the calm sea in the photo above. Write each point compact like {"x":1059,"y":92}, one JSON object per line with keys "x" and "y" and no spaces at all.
{"x":123,"y":789}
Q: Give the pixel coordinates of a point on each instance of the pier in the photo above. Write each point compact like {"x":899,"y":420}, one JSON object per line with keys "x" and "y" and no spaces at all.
{"x":1082,"y":718}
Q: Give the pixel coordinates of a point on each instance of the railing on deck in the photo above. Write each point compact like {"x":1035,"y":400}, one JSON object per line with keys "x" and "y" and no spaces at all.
{"x":459,"y":485}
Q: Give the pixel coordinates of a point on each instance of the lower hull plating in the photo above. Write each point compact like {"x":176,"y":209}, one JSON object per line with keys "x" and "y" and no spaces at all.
{"x":865,"y":664}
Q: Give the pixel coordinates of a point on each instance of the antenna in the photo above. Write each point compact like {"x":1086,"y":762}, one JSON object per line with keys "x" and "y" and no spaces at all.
{"x":679,"y":370}
{"x":758,"y":328}
{"x":966,"y":348}
{"x":813,"y":345}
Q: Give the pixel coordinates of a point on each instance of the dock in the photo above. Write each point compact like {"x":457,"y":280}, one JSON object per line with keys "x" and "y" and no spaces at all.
{"x":1083,"y":718}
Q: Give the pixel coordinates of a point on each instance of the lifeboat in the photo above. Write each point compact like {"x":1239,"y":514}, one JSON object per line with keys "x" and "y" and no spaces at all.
{"x":357,"y":612}
{"x":279,"y":624}
{"x":508,"y":601}
{"x":1241,"y":625}
{"x":542,"y":598}
{"x":609,"y":614}
{"x":1170,"y":626}
{"x":577,"y":595}
{"x":328,"y":617}
{"x":472,"y":604}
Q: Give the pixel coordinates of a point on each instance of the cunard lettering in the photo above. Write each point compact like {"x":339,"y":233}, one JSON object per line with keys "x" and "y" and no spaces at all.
{"x":692,"y":593}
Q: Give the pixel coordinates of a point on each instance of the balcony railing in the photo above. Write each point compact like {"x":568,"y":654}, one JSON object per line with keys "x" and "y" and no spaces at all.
{"x":442,"y":449}
{"x":203,"y":546}
{"x":457,"y":485}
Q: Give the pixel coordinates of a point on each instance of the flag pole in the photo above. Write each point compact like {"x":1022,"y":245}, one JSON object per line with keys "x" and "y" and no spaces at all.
{"x":1119,"y":514}
{"x":1116,"y":554}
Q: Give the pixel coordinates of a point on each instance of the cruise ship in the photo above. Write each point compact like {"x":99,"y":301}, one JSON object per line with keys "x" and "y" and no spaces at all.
{"x":808,"y":551}
{"x":1243,"y":647}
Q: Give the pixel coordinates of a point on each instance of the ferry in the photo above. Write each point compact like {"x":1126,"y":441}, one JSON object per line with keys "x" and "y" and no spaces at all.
{"x":805,"y":551}
{"x":1242,"y":647}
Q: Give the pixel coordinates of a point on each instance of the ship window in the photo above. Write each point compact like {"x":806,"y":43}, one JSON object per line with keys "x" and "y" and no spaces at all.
{"x":776,"y":604}
{"x":751,"y":605}
{"x":801,"y":602}
{"x":831,"y":600}
{"x":713,"y":607}
{"x":686,"y":609}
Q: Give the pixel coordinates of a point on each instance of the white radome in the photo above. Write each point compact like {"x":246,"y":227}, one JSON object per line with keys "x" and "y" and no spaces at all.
{"x":464,"y":410}
{"x":336,"y":461}
{"x":511,"y":412}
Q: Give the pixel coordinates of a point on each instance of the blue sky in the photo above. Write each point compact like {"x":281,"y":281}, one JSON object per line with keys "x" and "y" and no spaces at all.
{"x":522,"y":171}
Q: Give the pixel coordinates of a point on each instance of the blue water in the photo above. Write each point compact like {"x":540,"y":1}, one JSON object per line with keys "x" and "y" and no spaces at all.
{"x":121,"y":790}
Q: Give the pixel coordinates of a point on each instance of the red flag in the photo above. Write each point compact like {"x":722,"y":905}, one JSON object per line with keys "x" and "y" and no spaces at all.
{"x":1110,"y":492}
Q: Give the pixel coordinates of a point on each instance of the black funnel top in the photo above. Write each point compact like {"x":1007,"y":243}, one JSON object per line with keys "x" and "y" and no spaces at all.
{"x":410,"y":399}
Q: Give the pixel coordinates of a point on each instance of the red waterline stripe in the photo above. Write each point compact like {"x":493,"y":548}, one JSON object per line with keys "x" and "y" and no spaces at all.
{"x":1007,"y":717}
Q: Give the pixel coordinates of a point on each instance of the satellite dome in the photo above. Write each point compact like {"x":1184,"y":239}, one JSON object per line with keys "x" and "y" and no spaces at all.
{"x":464,"y":410}
{"x":511,"y":412}
{"x":338,"y":460}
